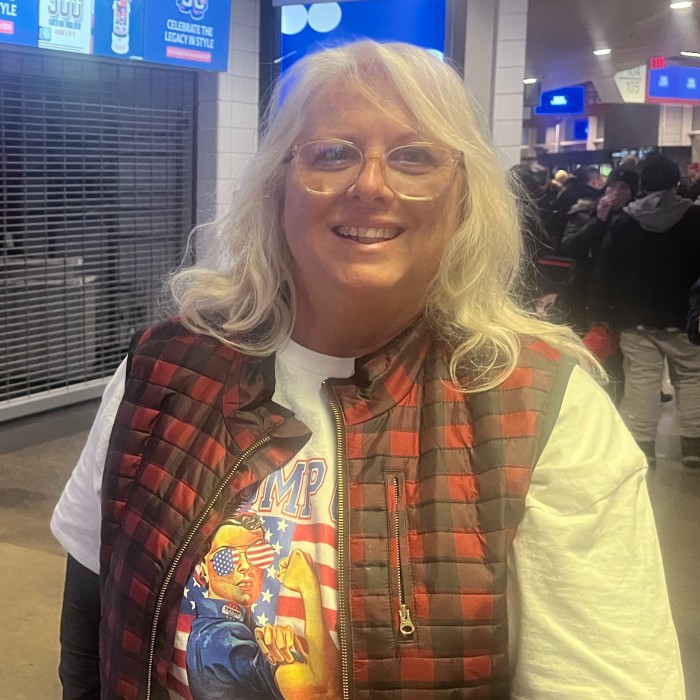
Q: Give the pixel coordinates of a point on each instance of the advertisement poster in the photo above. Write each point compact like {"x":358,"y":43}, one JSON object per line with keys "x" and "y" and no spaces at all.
{"x":118,"y":28}
{"x":19,"y":22}
{"x":192,"y":33}
{"x":65,"y":25}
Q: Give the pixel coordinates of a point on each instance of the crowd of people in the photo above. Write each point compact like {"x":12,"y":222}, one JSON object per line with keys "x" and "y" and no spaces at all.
{"x":627,"y":249}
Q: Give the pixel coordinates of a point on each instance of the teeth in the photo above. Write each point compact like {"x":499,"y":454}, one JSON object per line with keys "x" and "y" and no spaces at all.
{"x":362,"y":232}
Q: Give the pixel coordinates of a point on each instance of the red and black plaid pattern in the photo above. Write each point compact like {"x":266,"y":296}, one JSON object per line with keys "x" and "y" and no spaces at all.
{"x":462,"y":466}
{"x":191,"y":407}
{"x":465,"y":464}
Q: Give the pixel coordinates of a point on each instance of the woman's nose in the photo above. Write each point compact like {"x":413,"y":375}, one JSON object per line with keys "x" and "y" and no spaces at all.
{"x":371,"y":182}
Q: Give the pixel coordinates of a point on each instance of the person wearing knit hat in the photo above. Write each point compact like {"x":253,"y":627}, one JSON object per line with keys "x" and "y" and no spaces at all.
{"x":647,"y":266}
{"x":659,"y":173}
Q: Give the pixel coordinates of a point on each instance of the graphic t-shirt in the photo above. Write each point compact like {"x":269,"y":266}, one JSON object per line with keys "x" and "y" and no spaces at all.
{"x":259,"y":611}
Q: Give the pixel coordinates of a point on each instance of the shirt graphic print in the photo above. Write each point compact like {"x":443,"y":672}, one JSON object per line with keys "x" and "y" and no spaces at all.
{"x":258,"y":618}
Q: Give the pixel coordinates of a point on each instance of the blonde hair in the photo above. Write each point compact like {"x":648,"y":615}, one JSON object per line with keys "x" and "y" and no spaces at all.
{"x":247,"y":299}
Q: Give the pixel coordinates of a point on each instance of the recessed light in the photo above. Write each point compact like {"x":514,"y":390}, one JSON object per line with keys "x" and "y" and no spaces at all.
{"x":691,"y":54}
{"x":680,"y":5}
{"x":601,"y":52}
{"x":531,"y":81}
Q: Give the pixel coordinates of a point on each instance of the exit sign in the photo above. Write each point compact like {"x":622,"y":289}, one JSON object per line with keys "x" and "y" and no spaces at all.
{"x":657,"y":62}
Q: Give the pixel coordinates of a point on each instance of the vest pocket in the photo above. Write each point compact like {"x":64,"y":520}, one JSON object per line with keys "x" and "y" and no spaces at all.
{"x":400,"y":580}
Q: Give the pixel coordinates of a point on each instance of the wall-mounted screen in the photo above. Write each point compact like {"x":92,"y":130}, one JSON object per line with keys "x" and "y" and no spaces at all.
{"x":306,"y":28}
{"x":188,"y":33}
{"x":674,"y":84}
{"x":566,"y":100}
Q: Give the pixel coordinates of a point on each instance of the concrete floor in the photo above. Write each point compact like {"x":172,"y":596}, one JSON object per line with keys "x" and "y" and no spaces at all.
{"x":38,"y":454}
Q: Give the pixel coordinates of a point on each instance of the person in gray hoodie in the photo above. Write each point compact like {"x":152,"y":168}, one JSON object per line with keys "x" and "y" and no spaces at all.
{"x":647,"y":265}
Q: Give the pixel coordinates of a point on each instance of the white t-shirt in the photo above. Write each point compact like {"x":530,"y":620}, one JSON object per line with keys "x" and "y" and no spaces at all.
{"x":588,"y":609}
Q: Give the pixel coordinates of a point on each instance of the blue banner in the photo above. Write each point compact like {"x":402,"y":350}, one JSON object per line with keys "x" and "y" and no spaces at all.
{"x":192,"y":33}
{"x":186,"y":33}
{"x":307,"y":27}
{"x":19,"y":22}
{"x":674,"y":84}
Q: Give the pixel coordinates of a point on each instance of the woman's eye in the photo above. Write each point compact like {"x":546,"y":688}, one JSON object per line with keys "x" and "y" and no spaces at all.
{"x":412,"y":156}
{"x":334,"y":156}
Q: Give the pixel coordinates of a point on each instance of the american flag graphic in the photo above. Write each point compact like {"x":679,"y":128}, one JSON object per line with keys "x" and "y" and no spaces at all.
{"x":276,"y":604}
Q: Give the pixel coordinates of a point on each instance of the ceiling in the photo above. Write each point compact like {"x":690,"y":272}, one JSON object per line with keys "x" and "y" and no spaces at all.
{"x":562,"y":35}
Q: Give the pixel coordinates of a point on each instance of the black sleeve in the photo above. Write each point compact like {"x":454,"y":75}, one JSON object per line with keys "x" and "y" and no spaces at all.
{"x":79,"y":667}
{"x":582,"y":233}
{"x":694,"y":314}
{"x":602,"y":299}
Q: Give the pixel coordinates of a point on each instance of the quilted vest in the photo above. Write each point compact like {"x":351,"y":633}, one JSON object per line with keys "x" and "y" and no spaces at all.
{"x":432,"y":485}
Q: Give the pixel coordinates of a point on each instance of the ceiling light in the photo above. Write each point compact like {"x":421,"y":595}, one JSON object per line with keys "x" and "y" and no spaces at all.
{"x":680,"y":5}
{"x":532,"y":81}
{"x":691,"y":54}
{"x":601,"y":52}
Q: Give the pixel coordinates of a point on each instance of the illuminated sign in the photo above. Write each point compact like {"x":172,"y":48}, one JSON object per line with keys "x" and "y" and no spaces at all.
{"x":188,"y":33}
{"x":192,"y":33}
{"x":19,"y":22}
{"x":568,"y":100}
{"x":307,"y":27}
{"x":674,"y":84}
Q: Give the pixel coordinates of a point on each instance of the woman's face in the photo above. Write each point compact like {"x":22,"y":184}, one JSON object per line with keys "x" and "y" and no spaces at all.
{"x":234,"y":577}
{"x":330,"y":261}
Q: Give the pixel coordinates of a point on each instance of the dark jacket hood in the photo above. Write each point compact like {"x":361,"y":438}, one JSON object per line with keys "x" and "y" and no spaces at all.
{"x":658,"y":211}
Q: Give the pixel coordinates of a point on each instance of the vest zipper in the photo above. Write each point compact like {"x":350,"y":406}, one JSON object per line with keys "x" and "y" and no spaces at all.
{"x":406,"y":626}
{"x":343,"y":601}
{"x":183,"y":546}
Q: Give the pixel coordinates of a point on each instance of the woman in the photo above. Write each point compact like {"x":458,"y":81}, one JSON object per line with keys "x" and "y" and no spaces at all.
{"x":358,"y":376}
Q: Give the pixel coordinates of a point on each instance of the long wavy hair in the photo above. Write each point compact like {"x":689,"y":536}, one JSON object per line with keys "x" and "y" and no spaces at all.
{"x":242,"y":291}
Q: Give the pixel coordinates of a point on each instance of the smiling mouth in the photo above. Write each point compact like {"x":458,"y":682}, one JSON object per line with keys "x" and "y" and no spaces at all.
{"x":365,"y":235}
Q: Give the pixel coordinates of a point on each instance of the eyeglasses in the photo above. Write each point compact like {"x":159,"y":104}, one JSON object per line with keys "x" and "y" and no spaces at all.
{"x":416,"y":171}
{"x":225,"y":559}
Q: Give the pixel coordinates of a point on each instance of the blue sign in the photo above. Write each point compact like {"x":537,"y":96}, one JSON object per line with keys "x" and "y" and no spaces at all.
{"x":187,"y":33}
{"x":568,"y":100}
{"x":19,"y":22}
{"x":689,"y":83}
{"x":663,"y":82}
{"x":191,"y":33}
{"x":674,"y":83}
{"x":308,"y":27}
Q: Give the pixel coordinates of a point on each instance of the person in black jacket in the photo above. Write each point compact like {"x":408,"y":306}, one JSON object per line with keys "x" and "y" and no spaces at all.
{"x":647,"y":266}
{"x":587,"y":183}
{"x":693,"y":325}
{"x":586,"y":225}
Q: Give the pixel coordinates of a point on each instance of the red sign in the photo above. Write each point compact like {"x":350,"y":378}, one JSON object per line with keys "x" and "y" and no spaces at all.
{"x":657,"y":62}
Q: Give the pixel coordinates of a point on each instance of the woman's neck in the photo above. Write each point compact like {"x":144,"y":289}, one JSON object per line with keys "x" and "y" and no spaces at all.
{"x":349,"y":329}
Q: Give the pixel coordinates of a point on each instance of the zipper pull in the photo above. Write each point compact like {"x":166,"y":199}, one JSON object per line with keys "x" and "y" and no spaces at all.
{"x":405,"y":623}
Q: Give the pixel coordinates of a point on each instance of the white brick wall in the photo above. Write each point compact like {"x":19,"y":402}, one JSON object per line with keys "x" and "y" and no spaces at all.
{"x":228,"y":113}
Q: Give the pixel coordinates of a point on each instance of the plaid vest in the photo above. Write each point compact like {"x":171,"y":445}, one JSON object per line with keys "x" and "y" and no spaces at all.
{"x":432,"y":485}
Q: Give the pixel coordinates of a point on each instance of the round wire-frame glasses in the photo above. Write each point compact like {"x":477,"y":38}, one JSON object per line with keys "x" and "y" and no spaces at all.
{"x":416,"y":171}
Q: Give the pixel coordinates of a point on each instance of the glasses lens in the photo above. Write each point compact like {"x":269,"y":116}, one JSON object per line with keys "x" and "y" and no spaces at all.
{"x":327,"y":167}
{"x":259,"y":554}
{"x":419,"y":170}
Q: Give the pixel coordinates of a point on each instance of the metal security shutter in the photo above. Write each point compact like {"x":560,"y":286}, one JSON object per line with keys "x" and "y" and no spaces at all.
{"x":96,"y":201}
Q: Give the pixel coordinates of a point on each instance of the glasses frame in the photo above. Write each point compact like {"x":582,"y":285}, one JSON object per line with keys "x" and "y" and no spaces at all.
{"x":237,"y":551}
{"x":456,"y":156}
